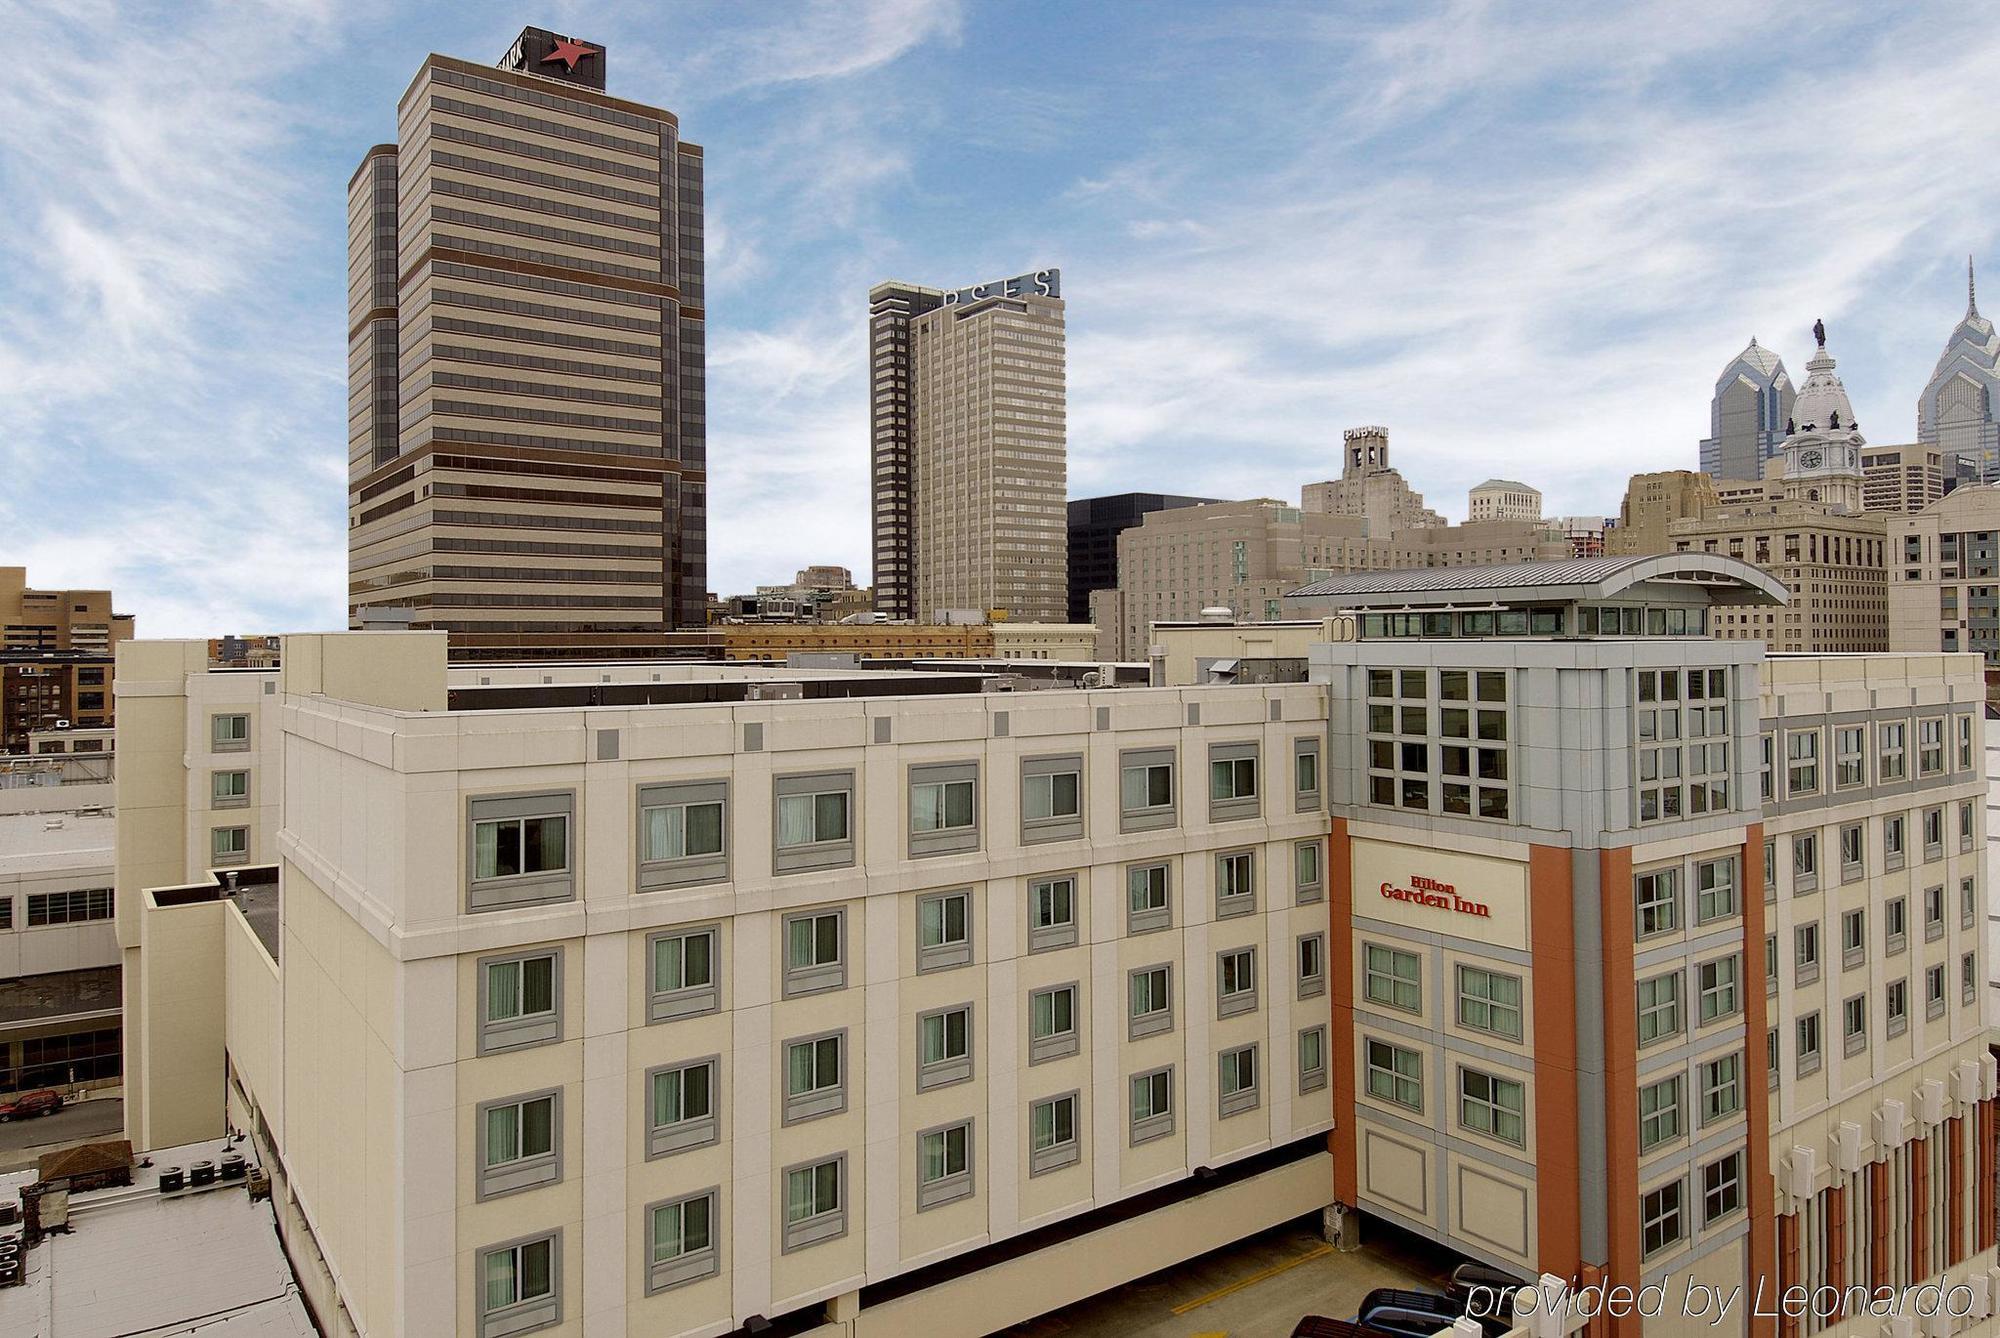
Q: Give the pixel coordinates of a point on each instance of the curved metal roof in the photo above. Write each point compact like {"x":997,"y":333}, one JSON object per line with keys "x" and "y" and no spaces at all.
{"x":1567,"y":580}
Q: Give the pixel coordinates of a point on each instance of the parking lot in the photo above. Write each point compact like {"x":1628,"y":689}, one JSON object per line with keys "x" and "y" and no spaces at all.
{"x":1257,"y":1288}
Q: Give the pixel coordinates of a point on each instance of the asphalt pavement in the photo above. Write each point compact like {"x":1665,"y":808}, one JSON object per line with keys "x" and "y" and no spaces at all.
{"x":22,"y":1142}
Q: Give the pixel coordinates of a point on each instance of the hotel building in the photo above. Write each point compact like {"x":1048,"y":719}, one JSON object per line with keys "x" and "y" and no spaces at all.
{"x":527,"y":457}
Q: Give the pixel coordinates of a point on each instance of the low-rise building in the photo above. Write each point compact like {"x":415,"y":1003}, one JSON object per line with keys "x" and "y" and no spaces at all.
{"x":1944,"y":575}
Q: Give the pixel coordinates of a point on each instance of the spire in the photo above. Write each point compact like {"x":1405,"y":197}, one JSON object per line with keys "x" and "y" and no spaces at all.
{"x":1971,"y":296}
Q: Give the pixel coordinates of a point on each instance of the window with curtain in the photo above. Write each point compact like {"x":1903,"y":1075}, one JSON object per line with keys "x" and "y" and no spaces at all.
{"x":812,"y":1066}
{"x":807,"y":819}
{"x":942,"y":806}
{"x":684,"y":1094}
{"x":683,"y":1228}
{"x":684,"y":961}
{"x":509,"y":847}
{"x":519,"y":1130}
{"x":945,"y":1152}
{"x":1052,"y":1123}
{"x":520,"y":987}
{"x":519,"y":1273}
{"x":682,"y":831}
{"x":813,"y":940}
{"x":812,"y":1191}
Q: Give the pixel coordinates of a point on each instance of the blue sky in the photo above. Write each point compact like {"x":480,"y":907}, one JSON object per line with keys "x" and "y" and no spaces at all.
{"x":1523,"y":237}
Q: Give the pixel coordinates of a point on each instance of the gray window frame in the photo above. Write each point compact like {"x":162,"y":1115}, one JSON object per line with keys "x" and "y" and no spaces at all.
{"x":1853,"y":954}
{"x":519,"y":1316}
{"x":1895,"y":940}
{"x":1369,"y":975}
{"x":949,"y":954}
{"x":820,"y":1102}
{"x":945,"y":840}
{"x":1369,"y":1068}
{"x":1897,"y":852}
{"x":1734,"y":986}
{"x":1060,"y":934}
{"x":1152,"y":817}
{"x":1647,"y":903}
{"x":523,"y":1173}
{"x":1491,"y":1103}
{"x":812,"y":856}
{"x":684,"y":870}
{"x":1934,"y":924}
{"x":1808,"y":1061}
{"x":1240,"y":903}
{"x":519,"y":1033}
{"x":952,"y":1069}
{"x":821,"y":1226}
{"x":1705,"y":1087}
{"x":1236,"y":808}
{"x":952,"y":1186}
{"x":1968,"y":901}
{"x":1853,"y":1040}
{"x":229,"y":801}
{"x":1677,"y":1212}
{"x":1895,"y":1021}
{"x":1244,"y":1098}
{"x":1159,"y":1124}
{"x":1735,"y":1178}
{"x":1932,"y":815}
{"x":1805,"y":952}
{"x":1155,"y":1022}
{"x":1679,"y":1009}
{"x":220,"y":858}
{"x":1061,"y":1044}
{"x":1239,"y":1002}
{"x":1306,"y":893}
{"x":1060,"y":827}
{"x":665,"y":1139}
{"x":689,"y":1000}
{"x":1314,"y":985}
{"x":217,"y":744}
{"x":690,"y":1266}
{"x":1936,"y":1000}
{"x":520,"y":889}
{"x":1678,"y":1106}
{"x":1152,"y":917}
{"x":1308,"y":801}
{"x":1311,"y":1080}
{"x":1854,"y":869}
{"x":1494,"y":1008}
{"x":820,"y":976}
{"x":1057,"y":1155}
{"x":1805,"y":879}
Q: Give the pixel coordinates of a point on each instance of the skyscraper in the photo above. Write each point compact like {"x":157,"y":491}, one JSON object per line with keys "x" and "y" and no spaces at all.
{"x":1746,"y":419}
{"x":1958,"y":410}
{"x":527,"y":458}
{"x":967,"y":403}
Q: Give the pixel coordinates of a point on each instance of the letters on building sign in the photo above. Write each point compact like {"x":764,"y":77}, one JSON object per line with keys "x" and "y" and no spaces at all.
{"x":1041,"y":283}
{"x":1441,"y":896}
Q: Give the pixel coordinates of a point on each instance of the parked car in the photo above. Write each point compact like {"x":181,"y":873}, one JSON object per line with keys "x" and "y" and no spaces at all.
{"x":1419,"y":1314}
{"x":29,"y":1104}
{"x":1319,"y":1326}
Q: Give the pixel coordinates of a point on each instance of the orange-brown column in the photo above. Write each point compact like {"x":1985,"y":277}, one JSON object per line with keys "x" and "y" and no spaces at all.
{"x":1340,"y":1034}
{"x":1835,"y":1217}
{"x":1621,"y":1079}
{"x":1878,"y":1224}
{"x":1956,"y":1224}
{"x":1552,"y":941}
{"x":1983,"y":1158}
{"x":1788,"y":1268}
{"x":1763,"y":1260}
{"x":1920,"y":1209}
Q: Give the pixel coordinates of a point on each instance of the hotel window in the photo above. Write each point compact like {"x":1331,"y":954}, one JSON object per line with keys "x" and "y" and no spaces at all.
{"x":682,"y":1241}
{"x":814,"y":821}
{"x":1896,"y":1007}
{"x":1392,"y":977}
{"x":815,"y":952}
{"x":1312,"y":1059}
{"x":1890,"y":742}
{"x":520,"y":1285}
{"x":1770,"y":964}
{"x":685,"y":981}
{"x":1808,"y":1044}
{"x":1305,"y":774}
{"x":1805,"y":953}
{"x":1489,"y":1001}
{"x":1465,"y":771}
{"x":1934,"y":991}
{"x":1771,"y":1057}
{"x":228,"y":845}
{"x":1051,"y":913}
{"x":1965,"y":743}
{"x":1658,"y":898}
{"x":1395,"y":1074}
{"x":520,"y":850}
{"x":1152,"y":1105}
{"x":1660,"y":1219}
{"x":1150,"y":989}
{"x":1968,"y":978}
{"x":1718,"y":987}
{"x":1967,"y":901}
{"x":1850,"y":756}
{"x":1930,"y":745}
{"x":1895,"y":924}
{"x":680,"y":1106}
{"x":1051,"y":798}
{"x":1146,"y":898}
{"x":1235,"y":982}
{"x":1052,"y":1134}
{"x":1312,"y":965}
{"x":944,"y":931}
{"x":1659,"y":1113}
{"x":1805,"y":862}
{"x":1052,"y":1023}
{"x":1493,"y":1106}
{"x":1309,"y":881}
{"x":520,"y":1144}
{"x":944,"y":1047}
{"x":944,"y":806}
{"x":1770,"y":868}
{"x":815,"y":1195}
{"x":1801,"y":762}
{"x":1232,"y":781}
{"x":1933,"y":913}
{"x":1854,"y":1025}
{"x":1721,"y":1188}
{"x":815,"y":1081}
{"x":1146,"y":789}
{"x":1715,"y":889}
{"x":1853,"y":938}
{"x":944,"y":1164}
{"x":1852,"y":849}
{"x":1967,"y":826}
{"x":1766,"y":768}
{"x":229,"y":733}
{"x":1892,"y":841}
{"x":683,"y":834}
{"x":520,"y":1000}
{"x":1721,"y":1093}
{"x":1659,"y":1008}
{"x":1237,"y":1089}
{"x":228,"y":789}
{"x":1235,"y":883}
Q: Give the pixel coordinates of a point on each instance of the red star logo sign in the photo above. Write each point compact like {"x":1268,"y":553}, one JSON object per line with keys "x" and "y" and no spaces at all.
{"x":569,"y":53}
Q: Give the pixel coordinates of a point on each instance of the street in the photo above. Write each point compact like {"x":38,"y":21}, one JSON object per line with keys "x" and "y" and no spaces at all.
{"x":23,"y":1141}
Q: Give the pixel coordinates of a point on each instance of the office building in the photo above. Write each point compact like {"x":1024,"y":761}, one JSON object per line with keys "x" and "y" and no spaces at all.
{"x":1686,"y":984}
{"x":1944,"y":575}
{"x":1748,"y":414}
{"x":1094,"y":526}
{"x":1503,"y":499}
{"x":1369,"y":487}
{"x":1583,"y":534}
{"x":60,"y":620}
{"x":967,"y":403}
{"x":55,"y":658}
{"x":59,"y":977}
{"x":1832,"y":563}
{"x":527,"y":459}
{"x":1959,"y":409}
{"x":1909,"y":478}
{"x":1653,"y":502}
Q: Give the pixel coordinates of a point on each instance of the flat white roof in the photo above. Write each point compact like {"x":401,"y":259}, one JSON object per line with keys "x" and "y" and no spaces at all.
{"x":28,"y":843}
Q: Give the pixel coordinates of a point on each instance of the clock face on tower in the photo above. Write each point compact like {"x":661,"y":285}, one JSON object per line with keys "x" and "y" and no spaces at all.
{"x":1809,"y":460}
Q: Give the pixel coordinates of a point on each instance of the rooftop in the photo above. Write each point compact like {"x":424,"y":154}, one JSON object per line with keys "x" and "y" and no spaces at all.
{"x":51,"y":841}
{"x":1569,"y":580}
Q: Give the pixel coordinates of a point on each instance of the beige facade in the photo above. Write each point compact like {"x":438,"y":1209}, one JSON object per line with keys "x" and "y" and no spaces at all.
{"x":1653,"y":502}
{"x":1369,"y":487}
{"x":1070,"y":642}
{"x":1907,"y":479}
{"x":1943,"y":571}
{"x":1832,"y":563}
{"x":1503,"y":499}
{"x":77,"y":620}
